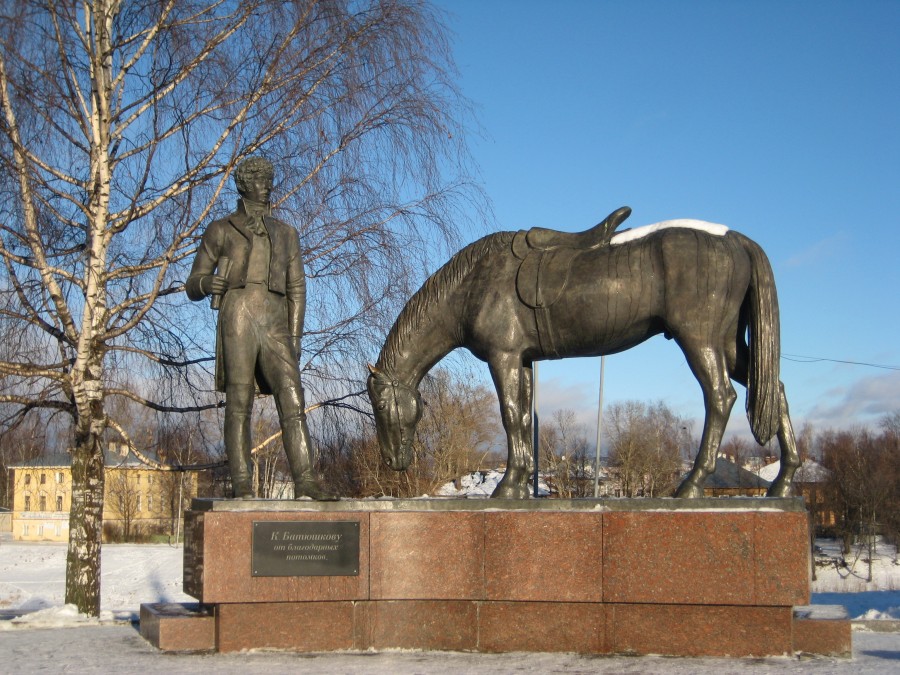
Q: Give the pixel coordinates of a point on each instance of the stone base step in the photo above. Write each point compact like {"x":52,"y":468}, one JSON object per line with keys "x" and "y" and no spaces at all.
{"x":497,"y":627}
{"x":179,"y":627}
{"x":823,"y":630}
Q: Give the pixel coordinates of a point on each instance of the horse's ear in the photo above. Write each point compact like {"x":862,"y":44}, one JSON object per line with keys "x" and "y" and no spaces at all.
{"x":373,"y":369}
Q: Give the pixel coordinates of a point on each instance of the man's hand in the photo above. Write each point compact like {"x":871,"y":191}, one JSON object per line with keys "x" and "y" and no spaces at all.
{"x":213,"y":285}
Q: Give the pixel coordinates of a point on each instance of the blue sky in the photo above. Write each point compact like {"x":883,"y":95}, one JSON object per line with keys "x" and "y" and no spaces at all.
{"x":777,"y":118}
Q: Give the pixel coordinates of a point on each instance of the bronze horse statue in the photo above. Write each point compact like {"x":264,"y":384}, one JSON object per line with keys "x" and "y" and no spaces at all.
{"x":513,"y":298}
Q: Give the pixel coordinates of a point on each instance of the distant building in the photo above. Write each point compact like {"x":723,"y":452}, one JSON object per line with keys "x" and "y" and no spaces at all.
{"x":138,"y":499}
{"x":731,"y":480}
{"x":811,"y":483}
{"x":659,"y":483}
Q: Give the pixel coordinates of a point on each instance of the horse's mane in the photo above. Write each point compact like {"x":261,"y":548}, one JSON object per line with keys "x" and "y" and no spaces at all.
{"x":433,"y":292}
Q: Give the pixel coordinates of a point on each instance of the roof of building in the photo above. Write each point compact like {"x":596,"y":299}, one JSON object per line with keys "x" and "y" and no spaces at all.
{"x":111,"y":459}
{"x":809,"y":472}
{"x":730,"y":475}
{"x":56,"y":460}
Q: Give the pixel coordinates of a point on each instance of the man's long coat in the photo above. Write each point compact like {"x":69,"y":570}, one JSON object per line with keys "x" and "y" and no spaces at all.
{"x":230,"y":237}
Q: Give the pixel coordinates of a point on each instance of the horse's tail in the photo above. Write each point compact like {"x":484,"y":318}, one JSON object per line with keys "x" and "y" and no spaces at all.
{"x":763,"y":376}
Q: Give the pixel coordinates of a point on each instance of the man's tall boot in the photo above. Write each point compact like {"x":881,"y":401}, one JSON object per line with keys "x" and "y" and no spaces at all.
{"x":238,"y":406}
{"x":297,"y":445}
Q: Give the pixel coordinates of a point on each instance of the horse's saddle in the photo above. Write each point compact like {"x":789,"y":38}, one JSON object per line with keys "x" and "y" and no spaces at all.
{"x":547,"y":257}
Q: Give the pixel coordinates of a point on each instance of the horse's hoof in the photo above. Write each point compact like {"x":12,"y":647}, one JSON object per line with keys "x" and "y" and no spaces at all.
{"x":689,"y":490}
{"x":779,"y":488}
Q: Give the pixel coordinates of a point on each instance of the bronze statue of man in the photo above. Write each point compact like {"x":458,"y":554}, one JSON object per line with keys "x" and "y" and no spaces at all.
{"x":250,"y":264}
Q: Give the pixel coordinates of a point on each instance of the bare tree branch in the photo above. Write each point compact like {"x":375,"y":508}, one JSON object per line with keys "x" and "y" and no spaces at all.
{"x":120,"y":125}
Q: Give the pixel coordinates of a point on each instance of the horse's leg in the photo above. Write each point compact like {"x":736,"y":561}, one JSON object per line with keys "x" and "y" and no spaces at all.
{"x":527,"y":402}
{"x":790,"y":457}
{"x":514,"y":388}
{"x":709,"y":367}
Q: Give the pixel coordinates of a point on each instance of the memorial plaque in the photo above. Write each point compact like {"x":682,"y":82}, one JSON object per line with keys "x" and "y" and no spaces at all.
{"x":310,"y":549}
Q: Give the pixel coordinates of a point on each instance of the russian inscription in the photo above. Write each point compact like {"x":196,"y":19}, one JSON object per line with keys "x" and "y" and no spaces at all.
{"x":322,"y":548}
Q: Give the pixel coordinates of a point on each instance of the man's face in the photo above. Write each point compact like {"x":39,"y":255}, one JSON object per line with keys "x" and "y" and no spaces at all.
{"x":258,"y":189}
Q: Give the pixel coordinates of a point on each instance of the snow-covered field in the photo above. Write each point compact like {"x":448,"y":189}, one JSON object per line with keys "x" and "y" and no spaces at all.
{"x":32,"y":614}
{"x":32,"y":581}
{"x":841,"y":580}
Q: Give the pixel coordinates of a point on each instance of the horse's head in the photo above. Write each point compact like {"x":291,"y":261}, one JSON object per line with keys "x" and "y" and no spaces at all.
{"x":397,"y":408}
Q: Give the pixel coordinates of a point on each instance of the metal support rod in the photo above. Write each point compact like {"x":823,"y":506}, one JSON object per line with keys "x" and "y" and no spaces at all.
{"x":599,"y":428}
{"x":536,"y":424}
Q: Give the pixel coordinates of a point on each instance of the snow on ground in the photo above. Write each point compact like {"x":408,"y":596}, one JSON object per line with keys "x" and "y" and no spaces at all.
{"x":481,"y":484}
{"x":33,"y":577}
{"x":841,"y":580}
{"x":120,"y":649}
{"x":475,"y":484}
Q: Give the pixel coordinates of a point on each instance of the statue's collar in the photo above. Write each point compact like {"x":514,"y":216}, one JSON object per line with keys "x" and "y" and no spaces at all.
{"x":251,"y":208}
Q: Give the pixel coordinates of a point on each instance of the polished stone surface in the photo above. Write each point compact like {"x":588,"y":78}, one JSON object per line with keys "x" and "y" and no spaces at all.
{"x":717,"y":504}
{"x":680,"y":577}
{"x":578,"y":627}
{"x":299,"y":626}
{"x":572,"y":552}
{"x":218,"y":570}
{"x":750,"y":558}
{"x":695,"y":630}
{"x":177,"y":627}
{"x":822,"y":629}
{"x":424,"y":624}
{"x":427,"y":556}
{"x":557,"y":556}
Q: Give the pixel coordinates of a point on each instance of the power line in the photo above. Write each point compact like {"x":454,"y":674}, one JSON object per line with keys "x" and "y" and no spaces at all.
{"x":799,"y":358}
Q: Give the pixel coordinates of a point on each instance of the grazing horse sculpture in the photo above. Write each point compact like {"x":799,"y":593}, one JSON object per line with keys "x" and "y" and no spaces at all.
{"x":513,"y":298}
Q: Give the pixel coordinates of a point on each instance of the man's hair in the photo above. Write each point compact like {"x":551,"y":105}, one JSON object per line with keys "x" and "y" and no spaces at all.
{"x":250,"y":168}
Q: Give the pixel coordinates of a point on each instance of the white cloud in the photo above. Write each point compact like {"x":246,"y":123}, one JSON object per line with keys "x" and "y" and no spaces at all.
{"x":819,"y":251}
{"x":864,"y":401}
{"x":559,"y":394}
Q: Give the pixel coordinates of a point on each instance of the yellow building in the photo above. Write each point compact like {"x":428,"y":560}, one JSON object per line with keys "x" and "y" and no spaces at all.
{"x":138,"y":499}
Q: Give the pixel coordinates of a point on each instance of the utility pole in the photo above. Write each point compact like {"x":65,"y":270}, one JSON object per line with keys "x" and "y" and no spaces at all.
{"x":599,"y":428}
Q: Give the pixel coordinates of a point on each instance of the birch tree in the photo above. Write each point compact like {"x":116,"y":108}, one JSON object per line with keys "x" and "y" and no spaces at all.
{"x":120,"y":124}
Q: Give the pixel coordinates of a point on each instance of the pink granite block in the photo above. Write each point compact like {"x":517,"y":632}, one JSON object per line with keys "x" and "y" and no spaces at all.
{"x":296,"y":626}
{"x":542,"y":627}
{"x":551,"y":556}
{"x":226,"y":562}
{"x":782,"y":558}
{"x":424,"y":624}
{"x":679,"y":557}
{"x":178,"y":627}
{"x":363,"y":613}
{"x":685,"y":630}
{"x":828,"y":637}
{"x":427,"y":556}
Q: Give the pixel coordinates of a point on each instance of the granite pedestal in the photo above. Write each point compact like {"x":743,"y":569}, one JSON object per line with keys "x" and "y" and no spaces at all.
{"x":650,"y":576}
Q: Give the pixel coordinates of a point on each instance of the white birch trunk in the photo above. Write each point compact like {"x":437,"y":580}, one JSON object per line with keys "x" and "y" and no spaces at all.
{"x":86,"y":517}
